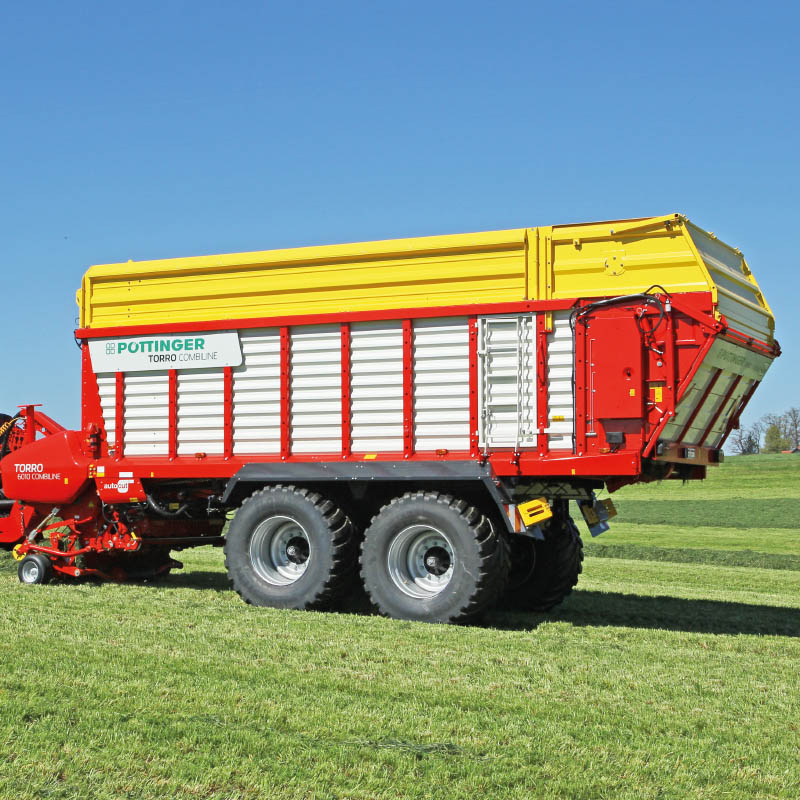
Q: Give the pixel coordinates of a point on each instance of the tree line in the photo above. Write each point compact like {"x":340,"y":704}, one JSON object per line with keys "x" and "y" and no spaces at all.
{"x":770,"y":434}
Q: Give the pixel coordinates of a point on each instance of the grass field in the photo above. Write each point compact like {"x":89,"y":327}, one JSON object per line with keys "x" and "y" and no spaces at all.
{"x":673,"y":672}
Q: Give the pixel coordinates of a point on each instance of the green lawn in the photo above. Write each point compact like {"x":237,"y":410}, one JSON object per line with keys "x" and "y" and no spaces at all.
{"x":676,"y":676}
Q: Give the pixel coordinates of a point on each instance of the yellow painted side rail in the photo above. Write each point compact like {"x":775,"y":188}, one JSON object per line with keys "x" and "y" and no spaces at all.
{"x":563,"y":261}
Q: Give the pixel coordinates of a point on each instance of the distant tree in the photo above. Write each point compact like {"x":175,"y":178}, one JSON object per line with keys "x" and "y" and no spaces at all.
{"x":792,"y":426}
{"x":737,"y":441}
{"x":753,"y":442}
{"x":777,"y":431}
{"x":772,"y":419}
{"x":757,"y":434}
{"x":774,"y":439}
{"x":745,"y":441}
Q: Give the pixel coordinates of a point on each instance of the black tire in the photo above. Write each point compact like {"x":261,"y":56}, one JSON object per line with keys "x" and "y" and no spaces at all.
{"x":311,"y":534}
{"x":461,"y":560}
{"x":546,"y":571}
{"x":35,"y":568}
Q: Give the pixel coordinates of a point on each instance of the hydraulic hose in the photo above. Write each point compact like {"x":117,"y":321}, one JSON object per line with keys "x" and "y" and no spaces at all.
{"x":165,"y":512}
{"x":5,"y":433}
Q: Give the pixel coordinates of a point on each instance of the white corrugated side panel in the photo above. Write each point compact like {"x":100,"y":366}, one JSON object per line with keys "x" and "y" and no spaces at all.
{"x":560,"y":402}
{"x":441,"y":384}
{"x":107,"y":386}
{"x":316,"y":389}
{"x":741,"y":317}
{"x":737,"y":298}
{"x":507,"y":381}
{"x":146,"y":417}
{"x":200,"y":411}
{"x":376,"y":386}
{"x":257,"y":393}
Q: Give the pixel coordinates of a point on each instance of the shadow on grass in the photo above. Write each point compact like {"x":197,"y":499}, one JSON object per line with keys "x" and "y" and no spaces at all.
{"x":200,"y":579}
{"x":599,"y":609}
{"x":582,"y":608}
{"x":589,"y":608}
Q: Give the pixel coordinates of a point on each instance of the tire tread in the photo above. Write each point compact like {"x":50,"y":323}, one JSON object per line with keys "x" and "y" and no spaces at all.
{"x":343,"y":541}
{"x":492,"y":553}
{"x":561,"y":555}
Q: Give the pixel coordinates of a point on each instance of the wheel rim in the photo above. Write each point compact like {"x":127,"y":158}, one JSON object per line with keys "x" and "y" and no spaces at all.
{"x":280,"y":550}
{"x":31,"y":572}
{"x":421,"y":561}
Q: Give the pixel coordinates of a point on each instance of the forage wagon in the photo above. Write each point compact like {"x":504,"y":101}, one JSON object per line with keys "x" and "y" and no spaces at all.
{"x":415,"y":416}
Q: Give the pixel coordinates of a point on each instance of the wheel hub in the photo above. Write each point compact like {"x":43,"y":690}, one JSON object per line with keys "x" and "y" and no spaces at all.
{"x":280,"y":550}
{"x":297,"y":550}
{"x":437,"y":561}
{"x":30,"y":572}
{"x":421,"y":561}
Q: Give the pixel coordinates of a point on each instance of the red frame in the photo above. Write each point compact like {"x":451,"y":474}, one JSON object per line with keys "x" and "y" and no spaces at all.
{"x":286,"y":388}
{"x":580,"y":390}
{"x":91,"y":410}
{"x":408,"y":389}
{"x":474,"y":447}
{"x":541,"y":461}
{"x":542,"y":393}
{"x":346,"y":391}
{"x":119,"y":415}
{"x":173,"y":413}
{"x":227,"y":410}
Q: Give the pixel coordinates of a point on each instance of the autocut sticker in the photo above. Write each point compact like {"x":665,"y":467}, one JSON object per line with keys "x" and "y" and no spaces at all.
{"x":177,"y":351}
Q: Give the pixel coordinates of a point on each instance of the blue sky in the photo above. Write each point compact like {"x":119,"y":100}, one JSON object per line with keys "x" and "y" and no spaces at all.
{"x":154,"y":130}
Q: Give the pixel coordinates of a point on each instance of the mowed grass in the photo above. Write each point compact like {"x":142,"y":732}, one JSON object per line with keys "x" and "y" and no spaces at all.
{"x":656,"y":679}
{"x":746,"y":513}
{"x":745,"y":492}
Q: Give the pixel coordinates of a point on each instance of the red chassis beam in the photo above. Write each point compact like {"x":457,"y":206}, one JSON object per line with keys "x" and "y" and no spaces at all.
{"x":503,"y":463}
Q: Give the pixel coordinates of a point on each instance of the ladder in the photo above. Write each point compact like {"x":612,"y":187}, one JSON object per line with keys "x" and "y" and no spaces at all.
{"x":507,"y":381}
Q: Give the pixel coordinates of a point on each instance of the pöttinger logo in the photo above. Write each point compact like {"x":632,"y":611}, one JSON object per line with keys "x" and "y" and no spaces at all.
{"x":111,"y":348}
